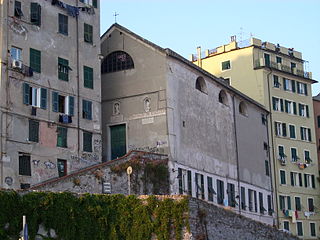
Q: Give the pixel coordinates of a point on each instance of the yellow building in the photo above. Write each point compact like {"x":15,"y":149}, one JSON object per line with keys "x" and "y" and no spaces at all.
{"x":274,"y":76}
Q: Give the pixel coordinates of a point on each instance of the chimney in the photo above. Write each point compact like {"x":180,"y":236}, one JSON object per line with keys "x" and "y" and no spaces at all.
{"x":199,"y":56}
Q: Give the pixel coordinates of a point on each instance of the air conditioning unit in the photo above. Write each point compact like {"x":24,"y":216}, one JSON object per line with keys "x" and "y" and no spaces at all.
{"x":262,"y":62}
{"x":16,"y":64}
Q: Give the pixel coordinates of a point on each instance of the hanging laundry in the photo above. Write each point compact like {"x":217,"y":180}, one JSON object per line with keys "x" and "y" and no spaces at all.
{"x":72,"y":11}
{"x":294,"y":219}
{"x":290,"y":213}
{"x":307,"y":214}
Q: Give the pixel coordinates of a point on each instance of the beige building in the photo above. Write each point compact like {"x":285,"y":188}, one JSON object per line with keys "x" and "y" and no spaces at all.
{"x":216,"y":138}
{"x":275,"y":77}
{"x":49,"y":89}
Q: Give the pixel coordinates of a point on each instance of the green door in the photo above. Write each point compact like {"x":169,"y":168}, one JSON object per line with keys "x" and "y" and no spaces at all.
{"x":118,"y":141}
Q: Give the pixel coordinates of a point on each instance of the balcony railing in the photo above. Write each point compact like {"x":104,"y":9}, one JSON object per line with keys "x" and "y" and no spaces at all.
{"x":262,"y":63}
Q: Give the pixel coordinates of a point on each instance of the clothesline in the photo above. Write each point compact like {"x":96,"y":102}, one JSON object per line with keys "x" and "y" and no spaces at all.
{"x":72,"y":10}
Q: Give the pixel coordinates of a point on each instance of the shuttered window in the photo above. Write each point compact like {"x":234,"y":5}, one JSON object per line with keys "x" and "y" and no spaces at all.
{"x":24,"y":165}
{"x":87,"y":141}
{"x":62,"y":137}
{"x":88,"y":33}
{"x":33,"y":131}
{"x":63,"y":24}
{"x":88,"y":77}
{"x":63,"y":69}
{"x":87,"y":109}
{"x":189,"y":176}
{"x":35,"y":60}
{"x":35,"y":14}
{"x":118,"y":141}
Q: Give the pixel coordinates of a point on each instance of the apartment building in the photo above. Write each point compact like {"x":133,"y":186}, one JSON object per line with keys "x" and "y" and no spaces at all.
{"x":275,"y":76}
{"x":316,"y":111}
{"x":216,"y":138}
{"x":49,"y":89}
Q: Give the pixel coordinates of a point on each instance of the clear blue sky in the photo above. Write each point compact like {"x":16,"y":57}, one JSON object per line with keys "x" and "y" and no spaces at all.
{"x":182,"y":25}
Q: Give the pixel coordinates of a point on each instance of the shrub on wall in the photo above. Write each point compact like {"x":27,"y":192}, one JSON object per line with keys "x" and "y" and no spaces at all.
{"x":90,"y":216}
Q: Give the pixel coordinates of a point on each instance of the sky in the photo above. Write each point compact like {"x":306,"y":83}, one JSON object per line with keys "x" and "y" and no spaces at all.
{"x":183,"y":25}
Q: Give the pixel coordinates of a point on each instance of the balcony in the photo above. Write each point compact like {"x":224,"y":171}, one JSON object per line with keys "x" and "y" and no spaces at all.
{"x":259,"y":63}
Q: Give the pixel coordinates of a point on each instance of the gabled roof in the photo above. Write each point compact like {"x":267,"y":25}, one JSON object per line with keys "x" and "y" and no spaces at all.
{"x":170,"y":53}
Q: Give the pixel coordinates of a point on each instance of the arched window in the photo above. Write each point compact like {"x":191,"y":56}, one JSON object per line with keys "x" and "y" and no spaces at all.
{"x":116,"y":61}
{"x":201,"y":85}
{"x":223,"y":97}
{"x":243,"y":109}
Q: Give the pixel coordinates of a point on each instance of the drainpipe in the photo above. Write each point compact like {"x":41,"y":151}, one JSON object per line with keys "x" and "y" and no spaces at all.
{"x":78,"y":82}
{"x":237,"y":152}
{"x":273,"y":153}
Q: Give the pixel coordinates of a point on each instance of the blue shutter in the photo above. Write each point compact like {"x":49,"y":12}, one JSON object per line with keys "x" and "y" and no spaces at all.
{"x":26,"y":93}
{"x":43,"y":102}
{"x":55,"y":101}
{"x":71,"y":105}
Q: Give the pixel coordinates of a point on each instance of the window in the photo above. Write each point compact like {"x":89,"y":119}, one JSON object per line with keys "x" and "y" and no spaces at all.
{"x":223,"y":97}
{"x":294,"y":177}
{"x":255,"y":201}
{"x":243,"y":109}
{"x":283,"y":177}
{"x":36,"y":97}
{"x":93,"y":3}
{"x":17,"y":9}
{"x":24,"y":164}
{"x":270,"y":209}
{"x":63,"y":24}
{"x":201,"y":85}
{"x":297,"y":203}
{"x":289,"y":85}
{"x":294,"y":156}
{"x":267,"y":59}
{"x":289,"y":107}
{"x":310,"y":205}
{"x":62,"y":104}
{"x":35,"y":14}
{"x":302,"y":88}
{"x":243,"y":198}
{"x":180,"y":181}
{"x":210,"y":189}
{"x":293,"y":66}
{"x":33,"y":131}
{"x":292,"y":130}
{"x":278,"y":59}
{"x":62,"y":137}
{"x":264,"y":119}
{"x":199,"y":180}
{"x":309,"y":181}
{"x":35,"y":60}
{"x":250,"y":198}
{"x":220,"y":191}
{"x":231,"y":195}
{"x":266,"y":164}
{"x":88,"y":30}
{"x":313,"y":229}
{"x":277,"y":104}
{"x":226,"y":65}
{"x":318,"y":120}
{"x":63,"y":69}
{"x":303,"y":110}
{"x":307,"y":158}
{"x":285,"y":202}
{"x":276,"y":82}
{"x":286,"y":226}
{"x":281,"y":129}
{"x":305,"y":134}
{"x":88,"y":77}
{"x":189,"y":178}
{"x":117,"y":61}
{"x":62,"y":167}
{"x":87,"y":109}
{"x":16,"y":54}
{"x":282,"y":155}
{"x":87,"y":141}
{"x":261,"y":207}
{"x":299,"y":229}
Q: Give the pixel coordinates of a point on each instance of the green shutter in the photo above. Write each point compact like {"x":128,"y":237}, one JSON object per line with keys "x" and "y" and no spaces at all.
{"x":309,"y":135}
{"x":43,"y":102}
{"x":62,"y":137}
{"x":300,"y":109}
{"x":90,"y":110}
{"x":286,"y":103}
{"x":292,"y":131}
{"x":118,"y":141}
{"x":305,"y":180}
{"x":95,"y":3}
{"x":35,"y":60}
{"x":35,"y":14}
{"x":33,"y":131}
{"x":88,"y":33}
{"x":300,"y":179}
{"x":26,"y":93}
{"x":307,"y":110}
{"x":318,"y":118}
{"x":71,"y":105}
{"x":305,"y":89}
{"x":292,"y":178}
{"x":313,"y":182}
{"x":284,"y":129}
{"x":281,"y":104}
{"x":88,"y":77}
{"x":293,"y":85}
{"x":87,"y":141}
{"x":284,"y":84}
{"x":298,"y":87}
{"x":294,"y":108}
{"x":55,"y":101}
{"x":274,"y":104}
{"x":63,"y":69}
{"x":289,"y":202}
{"x":63,"y":24}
